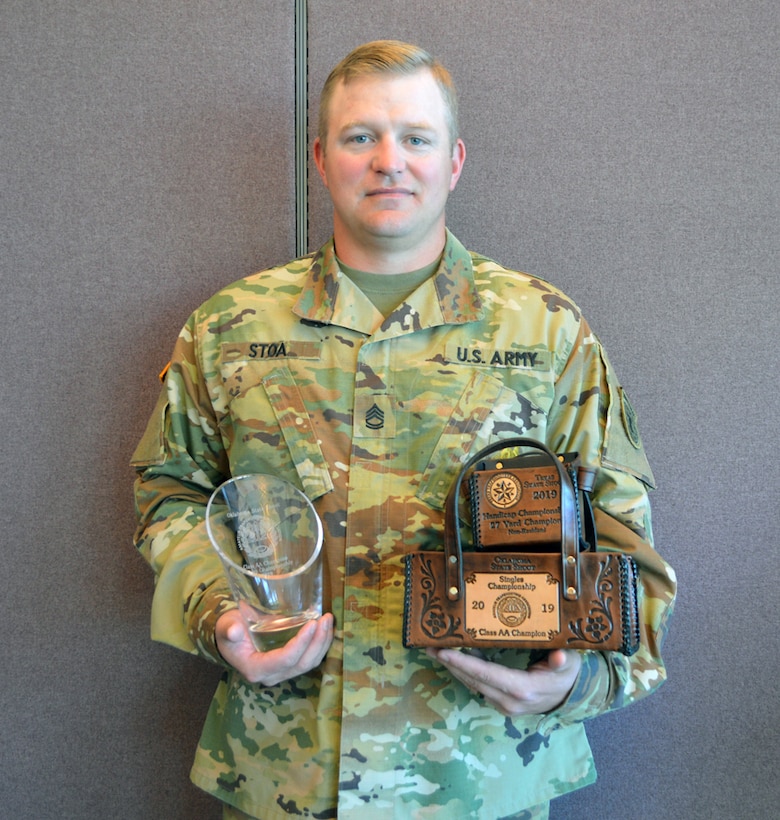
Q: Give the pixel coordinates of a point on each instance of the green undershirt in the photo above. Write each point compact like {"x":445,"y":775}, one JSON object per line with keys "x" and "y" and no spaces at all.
{"x":387,"y":290}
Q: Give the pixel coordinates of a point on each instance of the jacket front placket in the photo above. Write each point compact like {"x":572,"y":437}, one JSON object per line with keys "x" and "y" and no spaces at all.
{"x":384,"y":459}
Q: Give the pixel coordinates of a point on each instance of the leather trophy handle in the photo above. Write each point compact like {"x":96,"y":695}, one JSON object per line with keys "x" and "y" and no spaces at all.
{"x":569,"y":522}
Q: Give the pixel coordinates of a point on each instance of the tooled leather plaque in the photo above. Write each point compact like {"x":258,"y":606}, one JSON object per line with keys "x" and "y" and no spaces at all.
{"x":518,"y":506}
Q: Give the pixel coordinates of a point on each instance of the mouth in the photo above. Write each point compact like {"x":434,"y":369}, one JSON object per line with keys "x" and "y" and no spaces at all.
{"x":390,"y":192}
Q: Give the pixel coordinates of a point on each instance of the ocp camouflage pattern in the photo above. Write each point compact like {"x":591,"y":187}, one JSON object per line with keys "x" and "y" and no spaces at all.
{"x":293,"y":372}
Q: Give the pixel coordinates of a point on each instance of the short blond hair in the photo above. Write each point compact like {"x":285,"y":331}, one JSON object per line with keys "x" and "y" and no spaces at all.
{"x":389,"y":57}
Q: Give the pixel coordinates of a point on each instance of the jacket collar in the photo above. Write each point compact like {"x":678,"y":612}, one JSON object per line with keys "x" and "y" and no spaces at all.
{"x":449,"y":297}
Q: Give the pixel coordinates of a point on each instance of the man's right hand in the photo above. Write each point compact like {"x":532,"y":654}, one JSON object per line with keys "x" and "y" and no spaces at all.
{"x":301,"y":654}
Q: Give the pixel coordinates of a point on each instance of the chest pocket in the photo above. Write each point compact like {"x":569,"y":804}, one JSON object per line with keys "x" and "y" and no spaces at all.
{"x":466,"y":429}
{"x":295,"y":424}
{"x":266,"y":408}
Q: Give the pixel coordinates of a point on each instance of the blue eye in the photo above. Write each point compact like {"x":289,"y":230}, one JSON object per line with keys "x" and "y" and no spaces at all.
{"x":360,"y":139}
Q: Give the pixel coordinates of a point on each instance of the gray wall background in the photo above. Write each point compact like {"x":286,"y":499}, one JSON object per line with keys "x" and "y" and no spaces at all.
{"x":628,"y":151}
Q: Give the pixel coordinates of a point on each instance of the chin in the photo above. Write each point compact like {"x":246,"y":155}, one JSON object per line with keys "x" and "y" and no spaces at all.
{"x":394,"y":223}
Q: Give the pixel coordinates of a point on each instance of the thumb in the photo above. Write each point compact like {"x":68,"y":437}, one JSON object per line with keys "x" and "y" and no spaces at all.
{"x":230,"y":627}
{"x":235,"y":632}
{"x":557,"y":659}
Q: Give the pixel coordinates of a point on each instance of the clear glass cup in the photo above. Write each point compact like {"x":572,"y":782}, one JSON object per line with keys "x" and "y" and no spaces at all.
{"x":269,"y":539}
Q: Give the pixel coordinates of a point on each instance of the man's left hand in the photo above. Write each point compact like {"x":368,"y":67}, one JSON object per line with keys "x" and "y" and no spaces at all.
{"x":514,"y":692}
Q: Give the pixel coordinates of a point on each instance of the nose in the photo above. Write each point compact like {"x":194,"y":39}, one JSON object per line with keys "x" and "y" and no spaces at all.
{"x":388,"y":157}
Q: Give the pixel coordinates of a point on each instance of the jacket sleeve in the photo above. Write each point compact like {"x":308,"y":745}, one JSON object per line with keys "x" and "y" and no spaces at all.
{"x":594,"y":416}
{"x":179,"y":462}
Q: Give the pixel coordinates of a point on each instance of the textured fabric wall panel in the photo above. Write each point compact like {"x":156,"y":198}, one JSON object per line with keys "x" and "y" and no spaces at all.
{"x":629,"y":153}
{"x":140,"y":141}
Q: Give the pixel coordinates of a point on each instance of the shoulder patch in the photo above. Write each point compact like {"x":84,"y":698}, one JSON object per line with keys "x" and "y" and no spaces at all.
{"x":623,"y":448}
{"x":629,"y":420}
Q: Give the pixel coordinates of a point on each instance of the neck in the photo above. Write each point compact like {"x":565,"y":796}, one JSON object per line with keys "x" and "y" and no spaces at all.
{"x":386,"y":254}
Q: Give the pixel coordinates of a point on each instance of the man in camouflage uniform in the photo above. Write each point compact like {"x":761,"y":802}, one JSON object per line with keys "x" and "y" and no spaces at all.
{"x":366,"y":374}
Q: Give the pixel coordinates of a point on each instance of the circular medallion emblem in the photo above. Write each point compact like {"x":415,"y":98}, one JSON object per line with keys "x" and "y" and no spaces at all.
{"x":252,"y":540}
{"x":503,"y":490}
{"x":511,"y":609}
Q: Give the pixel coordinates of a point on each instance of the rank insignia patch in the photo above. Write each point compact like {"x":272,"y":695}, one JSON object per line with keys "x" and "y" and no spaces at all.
{"x":375,"y":418}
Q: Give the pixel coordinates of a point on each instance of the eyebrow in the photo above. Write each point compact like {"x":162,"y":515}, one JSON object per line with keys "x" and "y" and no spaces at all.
{"x":410,"y":126}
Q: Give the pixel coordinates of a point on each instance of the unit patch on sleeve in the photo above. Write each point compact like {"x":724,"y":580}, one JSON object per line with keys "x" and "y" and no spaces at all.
{"x":629,"y":419}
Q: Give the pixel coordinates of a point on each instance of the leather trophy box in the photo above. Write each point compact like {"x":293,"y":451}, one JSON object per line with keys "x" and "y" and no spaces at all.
{"x":532,"y":577}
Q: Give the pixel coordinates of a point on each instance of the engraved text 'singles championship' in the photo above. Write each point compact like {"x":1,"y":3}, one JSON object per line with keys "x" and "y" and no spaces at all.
{"x":534,"y":579}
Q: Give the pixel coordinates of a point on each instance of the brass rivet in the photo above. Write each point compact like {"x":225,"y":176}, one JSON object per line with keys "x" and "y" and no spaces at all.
{"x":570,"y":591}
{"x":571,"y":560}
{"x":499,"y":465}
{"x":453,"y":591}
{"x":453,"y":559}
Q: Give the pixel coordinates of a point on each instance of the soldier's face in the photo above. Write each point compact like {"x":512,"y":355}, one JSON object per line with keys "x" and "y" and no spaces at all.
{"x":389,"y":164}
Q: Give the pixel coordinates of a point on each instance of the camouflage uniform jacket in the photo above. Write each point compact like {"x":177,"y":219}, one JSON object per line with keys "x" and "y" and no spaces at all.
{"x":293,"y":372}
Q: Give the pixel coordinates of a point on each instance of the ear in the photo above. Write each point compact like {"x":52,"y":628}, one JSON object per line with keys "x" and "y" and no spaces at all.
{"x":319,"y":159}
{"x":458,"y":158}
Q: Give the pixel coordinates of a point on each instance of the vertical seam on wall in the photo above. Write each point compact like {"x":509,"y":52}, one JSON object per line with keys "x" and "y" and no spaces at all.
{"x":301,"y":128}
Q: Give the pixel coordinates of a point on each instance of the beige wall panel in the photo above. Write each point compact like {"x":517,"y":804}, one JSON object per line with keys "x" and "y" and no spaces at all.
{"x":147,"y":159}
